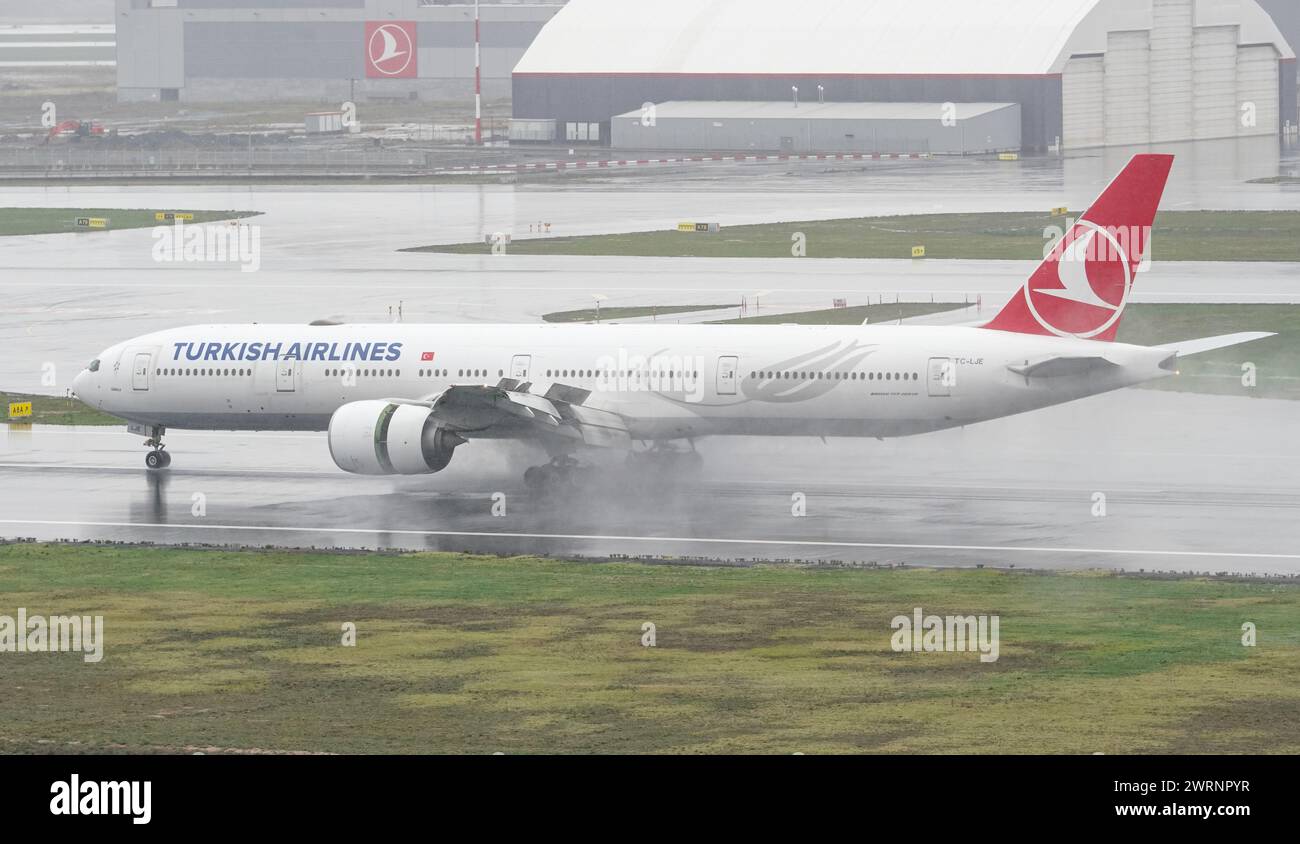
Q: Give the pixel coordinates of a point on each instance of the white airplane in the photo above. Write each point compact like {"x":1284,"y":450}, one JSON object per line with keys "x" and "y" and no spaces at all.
{"x":400,"y":399}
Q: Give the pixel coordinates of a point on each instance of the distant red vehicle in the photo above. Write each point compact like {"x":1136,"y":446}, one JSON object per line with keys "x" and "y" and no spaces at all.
{"x":76,"y":129}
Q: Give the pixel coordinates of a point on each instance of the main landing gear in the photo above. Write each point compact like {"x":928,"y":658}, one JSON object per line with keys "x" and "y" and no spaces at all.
{"x":657,"y":464}
{"x":157,"y":458}
{"x":664,"y":459}
{"x":563,"y":472}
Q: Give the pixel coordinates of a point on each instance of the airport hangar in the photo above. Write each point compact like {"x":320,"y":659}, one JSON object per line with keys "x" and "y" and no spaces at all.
{"x":319,"y":50}
{"x":1084,"y":73}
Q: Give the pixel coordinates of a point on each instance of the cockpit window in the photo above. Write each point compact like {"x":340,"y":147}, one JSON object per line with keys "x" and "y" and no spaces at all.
{"x":94,"y":365}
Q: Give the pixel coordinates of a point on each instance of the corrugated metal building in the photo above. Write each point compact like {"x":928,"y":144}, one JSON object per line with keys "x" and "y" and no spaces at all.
{"x":57,"y":45}
{"x":323,"y":50}
{"x":879,"y":128}
{"x":1086,"y":72}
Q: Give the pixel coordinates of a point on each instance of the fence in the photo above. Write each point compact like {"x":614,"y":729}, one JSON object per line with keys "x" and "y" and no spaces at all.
{"x":69,"y":161}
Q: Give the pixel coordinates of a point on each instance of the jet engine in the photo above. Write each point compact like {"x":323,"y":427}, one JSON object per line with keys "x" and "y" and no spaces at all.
{"x":382,"y":438}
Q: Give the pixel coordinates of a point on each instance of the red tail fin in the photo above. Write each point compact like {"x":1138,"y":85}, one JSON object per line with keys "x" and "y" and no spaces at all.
{"x":1083,"y":286}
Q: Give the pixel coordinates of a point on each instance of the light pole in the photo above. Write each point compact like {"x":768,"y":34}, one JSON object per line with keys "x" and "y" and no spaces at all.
{"x":478,"y":81}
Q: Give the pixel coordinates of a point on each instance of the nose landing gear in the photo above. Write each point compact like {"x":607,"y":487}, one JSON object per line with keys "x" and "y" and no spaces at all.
{"x":158,"y":458}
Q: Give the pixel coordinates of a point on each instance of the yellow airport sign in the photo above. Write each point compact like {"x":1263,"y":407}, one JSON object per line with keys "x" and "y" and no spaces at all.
{"x":918,"y":251}
{"x":92,"y":222}
{"x":168,"y":216}
{"x":1060,"y":212}
{"x":686,"y":227}
{"x":20,"y":409}
{"x":1009,"y":156}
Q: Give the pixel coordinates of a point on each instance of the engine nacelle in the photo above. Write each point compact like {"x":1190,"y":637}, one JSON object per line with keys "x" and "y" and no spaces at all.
{"x":382,"y":438}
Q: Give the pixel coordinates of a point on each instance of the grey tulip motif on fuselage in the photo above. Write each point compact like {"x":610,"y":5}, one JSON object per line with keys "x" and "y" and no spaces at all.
{"x":797,"y":379}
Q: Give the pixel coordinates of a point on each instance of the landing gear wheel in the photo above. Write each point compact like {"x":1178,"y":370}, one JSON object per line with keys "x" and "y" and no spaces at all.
{"x":157,"y":459}
{"x":559,"y":475}
{"x":535,"y":477}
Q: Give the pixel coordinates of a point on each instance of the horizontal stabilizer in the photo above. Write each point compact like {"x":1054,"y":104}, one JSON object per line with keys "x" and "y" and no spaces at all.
{"x":1060,"y":367}
{"x":1209,"y":344}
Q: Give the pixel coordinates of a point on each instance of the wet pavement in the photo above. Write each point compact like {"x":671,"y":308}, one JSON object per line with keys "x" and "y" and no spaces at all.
{"x":1191,"y":483}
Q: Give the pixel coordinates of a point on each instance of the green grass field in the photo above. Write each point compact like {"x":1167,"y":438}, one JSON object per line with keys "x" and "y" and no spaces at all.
{"x":857,"y":315}
{"x":611,"y":314}
{"x":55,"y":410}
{"x":240,"y":651}
{"x":1180,"y":236}
{"x":1277,"y":359}
{"x":15,"y":221}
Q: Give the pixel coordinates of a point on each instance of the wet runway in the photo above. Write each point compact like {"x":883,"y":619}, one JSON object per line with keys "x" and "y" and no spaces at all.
{"x":1191,"y":483}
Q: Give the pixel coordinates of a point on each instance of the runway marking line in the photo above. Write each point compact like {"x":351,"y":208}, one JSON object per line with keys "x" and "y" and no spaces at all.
{"x":1001,"y":549}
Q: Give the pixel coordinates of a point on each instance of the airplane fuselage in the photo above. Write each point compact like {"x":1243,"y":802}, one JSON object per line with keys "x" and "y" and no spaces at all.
{"x":666,"y":381}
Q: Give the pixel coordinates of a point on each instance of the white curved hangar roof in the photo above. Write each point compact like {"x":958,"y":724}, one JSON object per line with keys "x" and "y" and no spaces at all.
{"x":850,"y":37}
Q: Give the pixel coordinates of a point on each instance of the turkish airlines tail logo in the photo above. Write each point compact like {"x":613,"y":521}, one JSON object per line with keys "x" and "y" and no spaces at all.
{"x":1082,"y":287}
{"x":391,"y":50}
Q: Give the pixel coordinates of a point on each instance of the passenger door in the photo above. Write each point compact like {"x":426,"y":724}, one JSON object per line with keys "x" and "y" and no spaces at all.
{"x":520,"y":366}
{"x":942,"y":377}
{"x":140,"y":371}
{"x":285,"y":372}
{"x":728,"y":367}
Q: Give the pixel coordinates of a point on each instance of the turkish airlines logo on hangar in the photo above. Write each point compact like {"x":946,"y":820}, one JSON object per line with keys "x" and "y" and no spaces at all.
{"x":391,"y":50}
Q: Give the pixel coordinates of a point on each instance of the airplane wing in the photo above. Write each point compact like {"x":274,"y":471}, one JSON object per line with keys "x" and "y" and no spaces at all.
{"x":510,"y":410}
{"x":1209,"y":344}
